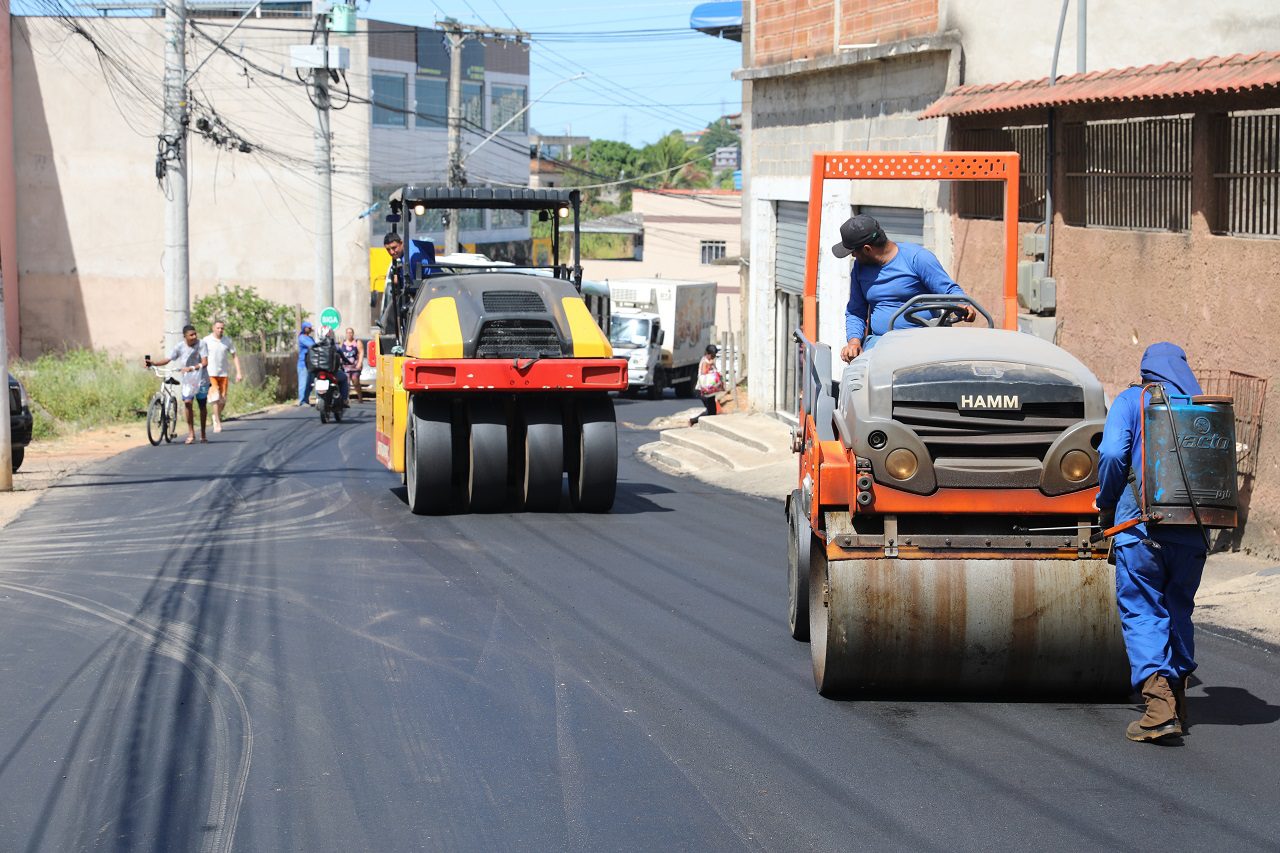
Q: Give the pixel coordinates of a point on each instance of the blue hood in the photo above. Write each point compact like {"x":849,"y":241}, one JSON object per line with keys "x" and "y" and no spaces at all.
{"x":1167,"y":363}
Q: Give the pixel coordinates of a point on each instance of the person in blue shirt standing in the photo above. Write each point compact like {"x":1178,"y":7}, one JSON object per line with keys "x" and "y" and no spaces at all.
{"x":1158,"y":568}
{"x":305,"y":343}
{"x":885,"y":275}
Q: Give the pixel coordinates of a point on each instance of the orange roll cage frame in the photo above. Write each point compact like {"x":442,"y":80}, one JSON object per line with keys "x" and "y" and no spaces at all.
{"x":913,"y":166}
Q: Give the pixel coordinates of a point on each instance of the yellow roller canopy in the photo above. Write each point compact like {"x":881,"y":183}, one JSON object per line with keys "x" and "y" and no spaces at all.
{"x":588,"y":340}
{"x":436,"y":332}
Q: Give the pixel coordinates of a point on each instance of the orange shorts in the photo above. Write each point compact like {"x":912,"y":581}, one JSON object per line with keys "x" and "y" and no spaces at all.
{"x":219,"y":384}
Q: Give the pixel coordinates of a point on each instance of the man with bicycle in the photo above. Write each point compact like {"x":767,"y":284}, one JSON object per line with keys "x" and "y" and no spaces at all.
{"x":192,"y":357}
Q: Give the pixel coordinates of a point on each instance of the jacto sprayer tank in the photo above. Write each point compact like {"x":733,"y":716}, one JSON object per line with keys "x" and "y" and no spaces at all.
{"x":1189,"y":459}
{"x":940,"y":530}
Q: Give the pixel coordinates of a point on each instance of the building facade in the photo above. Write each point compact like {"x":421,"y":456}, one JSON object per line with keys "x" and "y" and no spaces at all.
{"x":1162,"y":215}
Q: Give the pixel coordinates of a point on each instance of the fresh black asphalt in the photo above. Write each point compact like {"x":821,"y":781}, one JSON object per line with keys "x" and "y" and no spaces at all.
{"x":252,"y":645}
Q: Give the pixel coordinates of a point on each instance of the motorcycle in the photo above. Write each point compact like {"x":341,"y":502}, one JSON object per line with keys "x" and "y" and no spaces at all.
{"x":329,"y":397}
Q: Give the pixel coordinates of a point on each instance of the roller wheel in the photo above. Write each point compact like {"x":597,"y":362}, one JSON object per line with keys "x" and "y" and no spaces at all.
{"x":819,"y":620}
{"x":155,"y":421}
{"x":171,"y":419}
{"x":799,"y":547}
{"x":487,"y":481}
{"x":428,"y":455}
{"x":593,"y":462}
{"x":543,"y":463}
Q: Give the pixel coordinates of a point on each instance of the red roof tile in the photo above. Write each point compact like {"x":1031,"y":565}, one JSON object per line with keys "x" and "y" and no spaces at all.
{"x":1212,"y":76}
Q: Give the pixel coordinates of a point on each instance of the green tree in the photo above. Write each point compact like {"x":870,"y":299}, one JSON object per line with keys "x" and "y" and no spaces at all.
{"x":719,"y":135}
{"x":666,"y":156}
{"x":253,"y":322}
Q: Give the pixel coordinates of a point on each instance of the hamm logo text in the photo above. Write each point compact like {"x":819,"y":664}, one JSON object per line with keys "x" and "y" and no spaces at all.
{"x":989,"y":401}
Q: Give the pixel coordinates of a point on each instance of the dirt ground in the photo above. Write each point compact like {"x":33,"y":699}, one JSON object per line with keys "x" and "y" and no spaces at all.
{"x":48,"y":461}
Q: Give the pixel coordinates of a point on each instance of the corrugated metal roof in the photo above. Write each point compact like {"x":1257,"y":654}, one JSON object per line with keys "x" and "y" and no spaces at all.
{"x":1215,"y":75}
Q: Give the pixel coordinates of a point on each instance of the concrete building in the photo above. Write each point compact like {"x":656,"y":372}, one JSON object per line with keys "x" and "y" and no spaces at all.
{"x":1149,"y":265}
{"x":686,"y":234}
{"x":85,"y":264}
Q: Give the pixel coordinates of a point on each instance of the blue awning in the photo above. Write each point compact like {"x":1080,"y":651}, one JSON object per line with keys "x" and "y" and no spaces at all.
{"x":723,"y":20}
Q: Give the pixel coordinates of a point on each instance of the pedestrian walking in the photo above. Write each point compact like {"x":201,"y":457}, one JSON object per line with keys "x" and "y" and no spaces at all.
{"x":220,"y":350}
{"x":305,"y":343}
{"x":192,"y":359}
{"x":1158,"y":567}
{"x":710,"y":382}
{"x":352,"y":362}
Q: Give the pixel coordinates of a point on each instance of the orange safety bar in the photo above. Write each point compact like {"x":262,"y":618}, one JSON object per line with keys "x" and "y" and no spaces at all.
{"x":913,"y":166}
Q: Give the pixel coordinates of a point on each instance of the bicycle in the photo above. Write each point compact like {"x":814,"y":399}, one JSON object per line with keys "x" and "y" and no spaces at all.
{"x":162,"y":411}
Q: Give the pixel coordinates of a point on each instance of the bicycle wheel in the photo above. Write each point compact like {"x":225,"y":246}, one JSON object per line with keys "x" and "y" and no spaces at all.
{"x":155,"y":420}
{"x":170,"y":417}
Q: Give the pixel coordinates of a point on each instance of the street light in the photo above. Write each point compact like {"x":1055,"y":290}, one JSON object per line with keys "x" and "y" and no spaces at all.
{"x":519,"y":113}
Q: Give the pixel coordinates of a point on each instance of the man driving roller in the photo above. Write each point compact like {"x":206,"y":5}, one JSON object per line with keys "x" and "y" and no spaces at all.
{"x":885,"y":275}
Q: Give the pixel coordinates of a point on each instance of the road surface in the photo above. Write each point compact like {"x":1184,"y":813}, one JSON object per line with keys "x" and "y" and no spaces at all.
{"x":252,"y":645}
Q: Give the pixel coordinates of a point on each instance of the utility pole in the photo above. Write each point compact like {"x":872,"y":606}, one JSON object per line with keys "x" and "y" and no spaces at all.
{"x":6,"y":447}
{"x":458,"y":34}
{"x":172,"y":166}
{"x":323,"y":294}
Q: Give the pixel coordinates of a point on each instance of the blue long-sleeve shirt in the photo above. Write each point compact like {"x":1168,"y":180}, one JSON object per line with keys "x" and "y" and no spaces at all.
{"x":1121,"y":448}
{"x":913,"y":271}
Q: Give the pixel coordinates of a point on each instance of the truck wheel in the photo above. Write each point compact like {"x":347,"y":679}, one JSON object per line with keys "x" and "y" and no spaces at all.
{"x":543,"y":468}
{"x":684,"y":390}
{"x":428,"y":455}
{"x":487,"y":481}
{"x":17,"y":454}
{"x":799,"y":547}
{"x":659,"y":385}
{"x":593,"y":468}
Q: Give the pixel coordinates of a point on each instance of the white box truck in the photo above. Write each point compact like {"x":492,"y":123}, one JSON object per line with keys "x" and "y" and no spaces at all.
{"x":662,"y":327}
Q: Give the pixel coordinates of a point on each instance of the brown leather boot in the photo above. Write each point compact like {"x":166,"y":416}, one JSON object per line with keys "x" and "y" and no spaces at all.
{"x":1161,"y":717}
{"x":1179,"y":686}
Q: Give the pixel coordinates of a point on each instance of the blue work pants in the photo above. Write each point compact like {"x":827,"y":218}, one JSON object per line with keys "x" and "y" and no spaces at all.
{"x":1156,"y":590}
{"x":305,"y":382}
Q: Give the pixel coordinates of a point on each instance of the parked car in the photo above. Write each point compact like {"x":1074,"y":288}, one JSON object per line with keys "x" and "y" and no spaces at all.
{"x":19,"y":421}
{"x":369,"y":372}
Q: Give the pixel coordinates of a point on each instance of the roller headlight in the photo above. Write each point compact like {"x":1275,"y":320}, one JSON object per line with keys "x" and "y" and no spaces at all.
{"x":901,"y":464}
{"x":1076,"y":465}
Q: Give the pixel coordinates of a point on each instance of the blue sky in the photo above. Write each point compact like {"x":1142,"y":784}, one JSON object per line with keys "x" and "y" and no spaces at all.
{"x":638,"y":88}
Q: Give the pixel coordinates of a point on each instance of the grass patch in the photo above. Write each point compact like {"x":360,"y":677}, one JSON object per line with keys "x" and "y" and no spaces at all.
{"x":83,"y":389}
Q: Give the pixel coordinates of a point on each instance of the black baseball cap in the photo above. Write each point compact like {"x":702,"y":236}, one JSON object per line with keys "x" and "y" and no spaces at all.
{"x":855,"y":233}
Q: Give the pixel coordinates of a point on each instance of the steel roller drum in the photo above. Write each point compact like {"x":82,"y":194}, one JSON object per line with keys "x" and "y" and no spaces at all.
{"x":988,"y":628}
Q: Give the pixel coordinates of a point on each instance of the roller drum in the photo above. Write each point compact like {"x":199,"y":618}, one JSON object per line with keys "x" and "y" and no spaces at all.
{"x":1037,"y":628}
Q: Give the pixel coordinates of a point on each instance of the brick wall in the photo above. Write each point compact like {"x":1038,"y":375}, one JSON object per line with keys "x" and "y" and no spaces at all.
{"x":805,"y":29}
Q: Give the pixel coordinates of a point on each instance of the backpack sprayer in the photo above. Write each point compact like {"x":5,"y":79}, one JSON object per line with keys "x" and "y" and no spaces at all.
{"x":1188,"y":463}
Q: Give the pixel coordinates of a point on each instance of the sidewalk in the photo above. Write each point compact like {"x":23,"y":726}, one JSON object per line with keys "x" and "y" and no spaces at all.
{"x":751,"y":453}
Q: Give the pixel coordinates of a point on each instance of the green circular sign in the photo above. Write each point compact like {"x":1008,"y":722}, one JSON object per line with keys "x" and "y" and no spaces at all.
{"x":330,"y":317}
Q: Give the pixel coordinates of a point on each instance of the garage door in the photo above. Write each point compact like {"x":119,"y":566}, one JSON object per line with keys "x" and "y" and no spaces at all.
{"x":788,"y":264}
{"x":900,"y":223}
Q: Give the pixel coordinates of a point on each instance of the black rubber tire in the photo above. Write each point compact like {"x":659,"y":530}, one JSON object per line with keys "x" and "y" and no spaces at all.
{"x":593,"y":469}
{"x":428,"y":455}
{"x":324,"y":411}
{"x":17,"y":454}
{"x":337,"y":415}
{"x":171,"y":419}
{"x":155,"y":421}
{"x":654,"y":391}
{"x":542,"y":468}
{"x":799,"y":547}
{"x":684,"y":390}
{"x":487,"y":468}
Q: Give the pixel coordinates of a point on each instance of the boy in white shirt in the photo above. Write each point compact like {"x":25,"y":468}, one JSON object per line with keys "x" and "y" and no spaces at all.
{"x":219,"y":348}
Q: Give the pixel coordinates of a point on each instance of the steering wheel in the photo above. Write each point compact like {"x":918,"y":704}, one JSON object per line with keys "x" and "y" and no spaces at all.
{"x":935,"y":314}
{"x":934,"y":310}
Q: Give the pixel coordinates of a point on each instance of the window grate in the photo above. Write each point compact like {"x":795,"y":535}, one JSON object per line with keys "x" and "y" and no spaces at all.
{"x":1246,"y":173}
{"x":513,"y":302}
{"x":985,"y":199}
{"x":1131,"y":173}
{"x":518,"y":339}
{"x":712,"y":251}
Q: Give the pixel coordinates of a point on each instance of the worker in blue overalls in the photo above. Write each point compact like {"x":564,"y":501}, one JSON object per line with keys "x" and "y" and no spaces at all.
{"x":1158,"y":568}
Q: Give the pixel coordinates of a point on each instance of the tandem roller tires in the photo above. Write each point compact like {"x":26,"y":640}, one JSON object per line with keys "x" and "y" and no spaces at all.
{"x":542,"y":463}
{"x":592,"y":454}
{"x":429,"y":456}
{"x":487,"y":469}
{"x":1035,"y":628}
